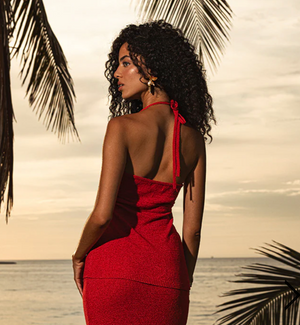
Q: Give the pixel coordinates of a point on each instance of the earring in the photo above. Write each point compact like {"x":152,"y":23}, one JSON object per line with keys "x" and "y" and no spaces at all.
{"x":151,"y":85}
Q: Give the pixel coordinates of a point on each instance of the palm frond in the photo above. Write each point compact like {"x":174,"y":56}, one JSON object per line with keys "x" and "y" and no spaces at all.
{"x":204,"y":22}
{"x":50,"y":81}
{"x":267,"y":304}
{"x":6,"y":108}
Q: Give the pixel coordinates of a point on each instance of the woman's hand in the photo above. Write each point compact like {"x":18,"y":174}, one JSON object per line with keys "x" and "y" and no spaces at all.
{"x":78,"y":266}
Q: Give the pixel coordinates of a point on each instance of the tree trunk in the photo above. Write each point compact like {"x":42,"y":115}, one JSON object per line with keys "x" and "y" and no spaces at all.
{"x":6,"y":110}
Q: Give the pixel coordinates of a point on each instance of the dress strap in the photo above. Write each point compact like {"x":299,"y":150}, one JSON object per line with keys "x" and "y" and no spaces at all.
{"x":176,"y":138}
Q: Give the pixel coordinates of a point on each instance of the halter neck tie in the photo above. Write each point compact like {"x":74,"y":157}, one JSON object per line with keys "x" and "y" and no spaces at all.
{"x":176,"y":136}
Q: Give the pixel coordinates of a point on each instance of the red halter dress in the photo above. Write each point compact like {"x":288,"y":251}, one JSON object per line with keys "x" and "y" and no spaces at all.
{"x":141,"y":248}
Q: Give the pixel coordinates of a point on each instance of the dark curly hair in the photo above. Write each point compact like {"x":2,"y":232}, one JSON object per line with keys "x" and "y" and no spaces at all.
{"x":172,"y":59}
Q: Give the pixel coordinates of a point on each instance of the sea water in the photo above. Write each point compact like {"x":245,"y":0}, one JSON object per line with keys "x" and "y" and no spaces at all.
{"x":44,"y":292}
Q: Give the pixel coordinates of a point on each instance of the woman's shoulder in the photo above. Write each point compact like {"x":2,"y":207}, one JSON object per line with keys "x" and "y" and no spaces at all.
{"x":135,"y":124}
{"x":192,"y":131}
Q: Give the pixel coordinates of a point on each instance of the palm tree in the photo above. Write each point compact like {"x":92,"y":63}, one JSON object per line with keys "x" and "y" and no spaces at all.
{"x":275,"y":303}
{"x":50,"y":83}
{"x":204,"y":22}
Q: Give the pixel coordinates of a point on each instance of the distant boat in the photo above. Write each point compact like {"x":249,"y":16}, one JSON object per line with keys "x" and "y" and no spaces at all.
{"x":8,"y":262}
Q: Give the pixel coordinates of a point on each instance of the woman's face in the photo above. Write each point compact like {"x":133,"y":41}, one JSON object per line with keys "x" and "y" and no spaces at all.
{"x":128,"y":75}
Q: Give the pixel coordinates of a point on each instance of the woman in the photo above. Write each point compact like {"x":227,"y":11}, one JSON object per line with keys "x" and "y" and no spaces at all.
{"x":130,"y":265}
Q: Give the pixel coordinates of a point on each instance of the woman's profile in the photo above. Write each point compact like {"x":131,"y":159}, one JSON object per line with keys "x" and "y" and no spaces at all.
{"x":130,"y":266}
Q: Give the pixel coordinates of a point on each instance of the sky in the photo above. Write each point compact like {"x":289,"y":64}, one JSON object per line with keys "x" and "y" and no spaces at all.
{"x":253,"y":163}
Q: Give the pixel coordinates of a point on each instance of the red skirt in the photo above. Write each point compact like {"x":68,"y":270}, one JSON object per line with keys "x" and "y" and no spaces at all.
{"x":122,"y":301}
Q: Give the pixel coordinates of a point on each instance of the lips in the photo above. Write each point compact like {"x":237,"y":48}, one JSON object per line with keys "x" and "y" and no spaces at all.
{"x":120,"y":86}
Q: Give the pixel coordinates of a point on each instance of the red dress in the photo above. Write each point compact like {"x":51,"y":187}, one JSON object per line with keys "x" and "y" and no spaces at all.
{"x":136,"y":273}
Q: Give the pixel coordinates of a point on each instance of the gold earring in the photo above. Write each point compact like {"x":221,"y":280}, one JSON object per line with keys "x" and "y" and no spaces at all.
{"x":151,"y":84}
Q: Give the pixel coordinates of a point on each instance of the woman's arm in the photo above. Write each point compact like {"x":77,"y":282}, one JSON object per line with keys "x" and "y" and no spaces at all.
{"x":191,"y":243}
{"x":114,"y":157}
{"x":92,"y":231}
{"x":193,"y":206}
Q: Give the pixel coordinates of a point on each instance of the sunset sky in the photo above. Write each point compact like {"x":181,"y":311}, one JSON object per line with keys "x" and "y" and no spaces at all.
{"x":253,"y":163}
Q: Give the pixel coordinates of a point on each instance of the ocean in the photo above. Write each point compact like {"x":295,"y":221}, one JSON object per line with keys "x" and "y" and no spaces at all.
{"x":44,"y":292}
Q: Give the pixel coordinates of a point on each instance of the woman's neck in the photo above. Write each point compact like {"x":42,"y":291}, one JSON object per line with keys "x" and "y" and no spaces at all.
{"x":148,"y":98}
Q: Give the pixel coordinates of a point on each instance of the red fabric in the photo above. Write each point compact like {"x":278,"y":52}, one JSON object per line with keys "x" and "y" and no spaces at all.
{"x":124,"y":302}
{"x":141,"y":243}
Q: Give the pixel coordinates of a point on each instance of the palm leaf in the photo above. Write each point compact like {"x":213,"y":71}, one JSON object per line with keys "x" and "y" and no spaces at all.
{"x":43,"y":59}
{"x":204,"y":22}
{"x":267,"y":304}
{"x":6,"y":108}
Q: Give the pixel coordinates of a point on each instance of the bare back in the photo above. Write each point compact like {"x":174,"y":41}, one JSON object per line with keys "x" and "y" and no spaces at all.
{"x":149,"y":136}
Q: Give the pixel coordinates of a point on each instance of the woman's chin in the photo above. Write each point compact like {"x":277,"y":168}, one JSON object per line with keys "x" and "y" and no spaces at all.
{"x":124,"y":96}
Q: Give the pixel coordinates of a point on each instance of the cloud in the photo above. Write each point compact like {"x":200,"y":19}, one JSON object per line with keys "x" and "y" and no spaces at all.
{"x":256,"y":203}
{"x":295,"y":182}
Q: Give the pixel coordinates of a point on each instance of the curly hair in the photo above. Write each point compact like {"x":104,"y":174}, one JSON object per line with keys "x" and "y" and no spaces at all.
{"x":172,"y":59}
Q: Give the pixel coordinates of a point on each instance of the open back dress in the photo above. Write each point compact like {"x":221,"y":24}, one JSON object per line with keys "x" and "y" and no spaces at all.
{"x":136,"y":273}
